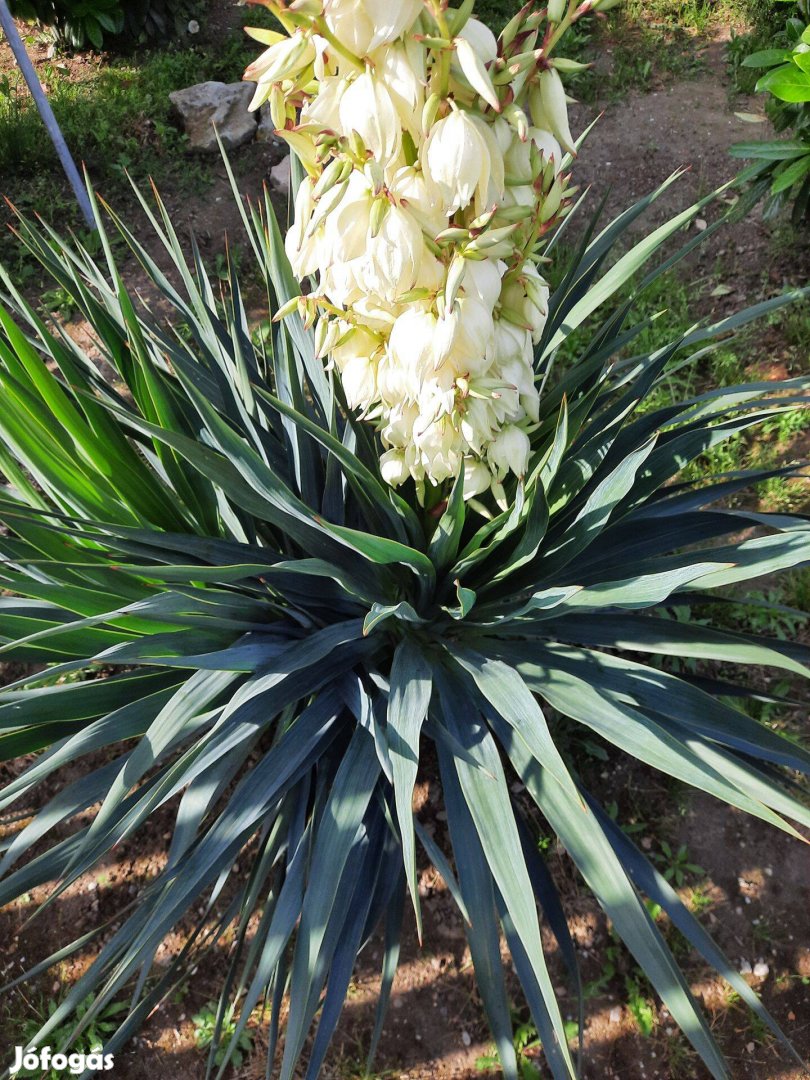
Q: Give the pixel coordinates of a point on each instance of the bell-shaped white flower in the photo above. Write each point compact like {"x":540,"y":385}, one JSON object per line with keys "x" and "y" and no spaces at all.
{"x":347,"y":227}
{"x":458,"y":161}
{"x":465,"y":336}
{"x":416,"y":190}
{"x":401,"y":69}
{"x":482,"y":281}
{"x":509,"y":451}
{"x":439,"y":446}
{"x":478,"y":423}
{"x":412,"y":345}
{"x":520,"y":374}
{"x":477,"y":477}
{"x":359,"y":379}
{"x":394,"y":468}
{"x":355,"y":342}
{"x":366,"y":107}
{"x":324,"y":109}
{"x":481,"y":38}
{"x":548,"y":146}
{"x":394,"y":256}
{"x":509,"y":342}
{"x":364,"y":25}
{"x":283,"y":60}
{"x":528,"y":297}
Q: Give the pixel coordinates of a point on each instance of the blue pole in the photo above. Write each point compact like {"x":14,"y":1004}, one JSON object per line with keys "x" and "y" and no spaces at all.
{"x":46,"y":112}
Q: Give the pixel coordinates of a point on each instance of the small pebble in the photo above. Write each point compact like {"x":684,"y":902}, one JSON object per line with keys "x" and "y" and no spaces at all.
{"x":745,"y":968}
{"x":750,"y":1047}
{"x":761,"y":970}
{"x":616,"y":1015}
{"x":466,"y":1038}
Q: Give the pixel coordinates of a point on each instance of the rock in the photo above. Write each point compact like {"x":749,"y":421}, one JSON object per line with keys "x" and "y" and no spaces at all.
{"x":761,"y":970}
{"x":210,"y":105}
{"x":280,"y":175}
{"x":745,"y":968}
{"x":616,"y":1015}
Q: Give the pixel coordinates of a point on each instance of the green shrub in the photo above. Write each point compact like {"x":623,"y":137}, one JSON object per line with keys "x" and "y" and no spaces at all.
{"x":79,"y":23}
{"x":251,"y":620}
{"x":781,"y":170}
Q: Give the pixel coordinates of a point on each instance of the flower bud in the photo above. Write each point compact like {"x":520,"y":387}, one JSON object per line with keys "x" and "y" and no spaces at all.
{"x":477,"y":478}
{"x":556,"y":10}
{"x":475,"y":73}
{"x":555,"y":107}
{"x":393,"y":468}
{"x":430,"y":112}
{"x":509,"y":450}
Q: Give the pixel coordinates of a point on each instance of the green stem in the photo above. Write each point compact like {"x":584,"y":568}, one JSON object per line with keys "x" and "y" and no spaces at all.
{"x":444,"y":59}
{"x":563,"y":27}
{"x":339,"y":47}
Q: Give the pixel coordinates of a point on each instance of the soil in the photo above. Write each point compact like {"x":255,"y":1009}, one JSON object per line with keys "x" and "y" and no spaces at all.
{"x":757,"y":884}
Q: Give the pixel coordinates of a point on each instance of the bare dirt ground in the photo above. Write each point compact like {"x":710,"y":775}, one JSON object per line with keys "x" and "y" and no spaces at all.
{"x":755,"y":897}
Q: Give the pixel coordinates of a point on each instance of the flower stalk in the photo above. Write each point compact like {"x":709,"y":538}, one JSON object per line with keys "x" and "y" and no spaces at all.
{"x":434,"y":156}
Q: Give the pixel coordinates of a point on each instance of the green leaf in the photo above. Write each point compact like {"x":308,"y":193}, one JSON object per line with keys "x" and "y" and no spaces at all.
{"x":505,"y":690}
{"x":587,"y":845}
{"x":487,"y":798}
{"x":766,"y":58}
{"x":408,"y":704}
{"x":781,"y":150}
{"x":791,"y":175}
{"x":787,"y":82}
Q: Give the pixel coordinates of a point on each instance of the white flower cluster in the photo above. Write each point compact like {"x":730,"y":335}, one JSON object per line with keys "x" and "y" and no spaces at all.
{"x":434,"y":155}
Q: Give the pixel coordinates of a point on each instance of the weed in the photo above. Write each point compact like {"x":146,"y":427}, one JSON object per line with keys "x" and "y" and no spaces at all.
{"x":700,"y":900}
{"x":205,"y":1026}
{"x":639,"y":1004}
{"x":91,"y":1039}
{"x":676,"y":863}
{"x":526,"y":1042}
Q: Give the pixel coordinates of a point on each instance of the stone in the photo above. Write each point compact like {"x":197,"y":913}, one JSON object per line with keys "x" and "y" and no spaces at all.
{"x":280,"y":175}
{"x":210,"y":105}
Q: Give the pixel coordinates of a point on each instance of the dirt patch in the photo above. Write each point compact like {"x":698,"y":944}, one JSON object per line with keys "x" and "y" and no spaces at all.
{"x":687,"y":127}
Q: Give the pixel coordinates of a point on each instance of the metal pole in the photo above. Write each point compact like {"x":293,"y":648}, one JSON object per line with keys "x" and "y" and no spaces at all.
{"x":46,"y":112}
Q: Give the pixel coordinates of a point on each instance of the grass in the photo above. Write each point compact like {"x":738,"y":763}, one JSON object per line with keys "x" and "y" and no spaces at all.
{"x":116,"y":119}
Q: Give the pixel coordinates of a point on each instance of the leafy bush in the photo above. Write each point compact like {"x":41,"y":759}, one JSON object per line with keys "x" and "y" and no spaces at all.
{"x":782,"y":169}
{"x":251,"y":618}
{"x":82,"y":22}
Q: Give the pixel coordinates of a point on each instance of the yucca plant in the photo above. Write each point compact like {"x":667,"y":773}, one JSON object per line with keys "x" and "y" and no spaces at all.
{"x":225,"y":601}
